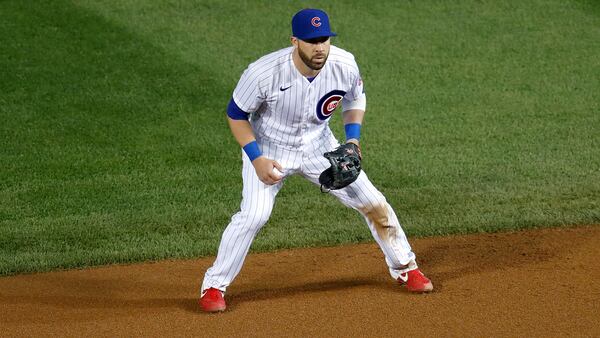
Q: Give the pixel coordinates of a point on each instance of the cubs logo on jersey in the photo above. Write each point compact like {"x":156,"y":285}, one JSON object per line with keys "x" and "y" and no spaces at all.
{"x":328,"y":103}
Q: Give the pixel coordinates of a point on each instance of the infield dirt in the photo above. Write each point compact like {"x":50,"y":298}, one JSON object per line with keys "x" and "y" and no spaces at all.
{"x":530,"y":283}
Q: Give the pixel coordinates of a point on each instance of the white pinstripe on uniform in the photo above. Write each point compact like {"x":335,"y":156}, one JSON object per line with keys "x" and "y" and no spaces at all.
{"x":289,"y":130}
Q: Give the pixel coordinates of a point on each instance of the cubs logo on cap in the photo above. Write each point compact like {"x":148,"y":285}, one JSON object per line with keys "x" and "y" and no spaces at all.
{"x":328,"y":103}
{"x":316,"y":21}
{"x":311,"y":23}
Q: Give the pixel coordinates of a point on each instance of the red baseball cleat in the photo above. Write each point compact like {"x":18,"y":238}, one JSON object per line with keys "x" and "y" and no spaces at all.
{"x":212,"y":300}
{"x":416,"y":281}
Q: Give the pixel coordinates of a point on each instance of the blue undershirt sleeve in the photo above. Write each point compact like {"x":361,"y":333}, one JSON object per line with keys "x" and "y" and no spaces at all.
{"x":234,"y":112}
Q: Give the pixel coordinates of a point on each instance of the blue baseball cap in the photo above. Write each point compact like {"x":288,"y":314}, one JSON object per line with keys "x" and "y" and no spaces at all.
{"x":311,"y":23}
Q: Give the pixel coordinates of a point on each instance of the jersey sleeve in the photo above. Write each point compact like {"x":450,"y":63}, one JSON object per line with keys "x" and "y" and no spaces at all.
{"x":355,"y":98}
{"x":247,"y":94}
{"x":357,"y":90}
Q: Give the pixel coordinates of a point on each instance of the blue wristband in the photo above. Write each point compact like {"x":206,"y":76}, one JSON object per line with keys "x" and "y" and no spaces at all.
{"x":352,"y":131}
{"x":252,"y":150}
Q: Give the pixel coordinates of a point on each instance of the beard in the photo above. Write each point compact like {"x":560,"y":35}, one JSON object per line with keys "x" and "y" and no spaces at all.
{"x":313,"y":63}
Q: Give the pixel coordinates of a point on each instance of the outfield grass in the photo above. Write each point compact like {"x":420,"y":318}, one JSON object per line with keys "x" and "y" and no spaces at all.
{"x":482,"y":116}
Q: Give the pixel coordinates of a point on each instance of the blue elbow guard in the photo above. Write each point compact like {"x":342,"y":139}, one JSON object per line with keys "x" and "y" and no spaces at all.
{"x":234,"y":112}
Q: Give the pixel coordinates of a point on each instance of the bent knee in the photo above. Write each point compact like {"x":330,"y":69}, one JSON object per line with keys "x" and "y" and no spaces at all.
{"x":378,"y":214}
{"x":253,"y":219}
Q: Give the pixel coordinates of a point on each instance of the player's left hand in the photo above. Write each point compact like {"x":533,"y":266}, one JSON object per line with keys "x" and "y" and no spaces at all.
{"x":345,"y":167}
{"x":355,"y":141}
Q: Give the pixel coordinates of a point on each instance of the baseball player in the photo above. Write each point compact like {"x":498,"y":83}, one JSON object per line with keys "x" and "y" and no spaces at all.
{"x":279,"y":115}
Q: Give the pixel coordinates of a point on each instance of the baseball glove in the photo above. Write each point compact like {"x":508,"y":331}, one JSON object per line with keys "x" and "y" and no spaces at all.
{"x":345,"y":167}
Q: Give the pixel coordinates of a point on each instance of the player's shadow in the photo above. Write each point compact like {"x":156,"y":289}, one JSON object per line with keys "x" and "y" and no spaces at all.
{"x":443,"y":260}
{"x":252,"y":295}
{"x":314,"y":287}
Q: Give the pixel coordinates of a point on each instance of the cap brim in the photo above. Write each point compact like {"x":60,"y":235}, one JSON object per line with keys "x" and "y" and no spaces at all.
{"x":315,"y":35}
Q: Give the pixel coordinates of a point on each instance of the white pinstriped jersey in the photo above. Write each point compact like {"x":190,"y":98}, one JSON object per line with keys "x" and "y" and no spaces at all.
{"x":288,"y":111}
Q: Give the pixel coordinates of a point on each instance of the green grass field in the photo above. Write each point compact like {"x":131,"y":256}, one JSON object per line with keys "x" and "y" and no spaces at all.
{"x":482,"y":116}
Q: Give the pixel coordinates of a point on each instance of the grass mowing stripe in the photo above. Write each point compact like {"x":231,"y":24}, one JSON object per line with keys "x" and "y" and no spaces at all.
{"x":87,"y":106}
{"x":482,"y":116}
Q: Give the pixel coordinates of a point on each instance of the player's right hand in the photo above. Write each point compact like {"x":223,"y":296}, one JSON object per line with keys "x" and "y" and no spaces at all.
{"x":264,"y":170}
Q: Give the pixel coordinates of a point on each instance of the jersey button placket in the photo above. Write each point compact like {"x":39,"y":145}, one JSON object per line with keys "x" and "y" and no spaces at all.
{"x":305,"y":116}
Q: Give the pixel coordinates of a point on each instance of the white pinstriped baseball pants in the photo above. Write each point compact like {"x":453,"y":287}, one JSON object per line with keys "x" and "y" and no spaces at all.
{"x":258,"y":200}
